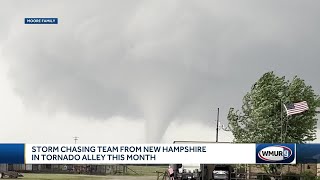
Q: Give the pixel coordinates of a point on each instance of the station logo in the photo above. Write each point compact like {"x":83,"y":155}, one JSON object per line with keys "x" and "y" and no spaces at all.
{"x":275,"y":153}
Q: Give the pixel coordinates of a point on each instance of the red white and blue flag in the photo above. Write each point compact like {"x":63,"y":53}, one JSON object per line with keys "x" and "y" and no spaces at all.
{"x":296,"y":108}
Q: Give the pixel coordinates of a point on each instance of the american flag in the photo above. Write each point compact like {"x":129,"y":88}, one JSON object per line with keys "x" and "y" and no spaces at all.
{"x":296,"y":108}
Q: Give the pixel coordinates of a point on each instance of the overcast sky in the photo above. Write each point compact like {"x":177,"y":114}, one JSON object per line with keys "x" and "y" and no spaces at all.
{"x":144,"y":71}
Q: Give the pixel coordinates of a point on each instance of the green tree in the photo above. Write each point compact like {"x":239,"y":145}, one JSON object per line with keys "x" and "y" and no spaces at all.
{"x":260,"y":118}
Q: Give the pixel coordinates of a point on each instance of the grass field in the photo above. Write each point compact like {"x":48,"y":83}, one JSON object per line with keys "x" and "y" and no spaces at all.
{"x":85,"y":177}
{"x":59,"y":176}
{"x":134,"y":173}
{"x":146,"y":170}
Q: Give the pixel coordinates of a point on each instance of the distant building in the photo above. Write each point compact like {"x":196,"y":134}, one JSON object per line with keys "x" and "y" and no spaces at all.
{"x":3,"y":167}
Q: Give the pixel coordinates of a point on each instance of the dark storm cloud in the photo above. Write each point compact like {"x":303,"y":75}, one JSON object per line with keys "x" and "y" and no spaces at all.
{"x":159,"y":60}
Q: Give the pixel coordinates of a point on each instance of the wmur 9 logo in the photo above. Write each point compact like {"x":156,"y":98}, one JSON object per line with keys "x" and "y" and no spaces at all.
{"x":275,"y":153}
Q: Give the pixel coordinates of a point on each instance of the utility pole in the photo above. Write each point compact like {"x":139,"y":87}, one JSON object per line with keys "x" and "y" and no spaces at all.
{"x":75,"y":139}
{"x":217,"y":130}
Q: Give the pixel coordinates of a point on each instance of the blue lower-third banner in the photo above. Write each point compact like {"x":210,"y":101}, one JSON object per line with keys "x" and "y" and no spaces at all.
{"x":308,"y":153}
{"x":206,"y":153}
{"x":12,"y":153}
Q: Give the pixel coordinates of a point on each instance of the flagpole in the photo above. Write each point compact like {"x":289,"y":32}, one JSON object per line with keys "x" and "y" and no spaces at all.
{"x":281,"y":133}
{"x":286,"y":131}
{"x":281,"y":118}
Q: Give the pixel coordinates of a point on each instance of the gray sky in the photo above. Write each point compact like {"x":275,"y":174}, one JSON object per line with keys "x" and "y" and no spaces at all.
{"x":114,"y":71}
